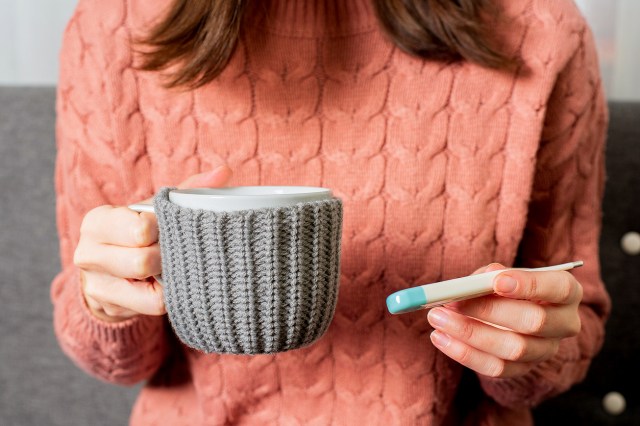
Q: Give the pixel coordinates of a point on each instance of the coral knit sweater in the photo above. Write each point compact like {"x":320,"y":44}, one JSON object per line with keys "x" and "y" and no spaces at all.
{"x":442,"y":168}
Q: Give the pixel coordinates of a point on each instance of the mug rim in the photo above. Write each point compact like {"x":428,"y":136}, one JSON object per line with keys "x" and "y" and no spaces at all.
{"x":268,"y":191}
{"x":206,"y":198}
{"x":237,"y":198}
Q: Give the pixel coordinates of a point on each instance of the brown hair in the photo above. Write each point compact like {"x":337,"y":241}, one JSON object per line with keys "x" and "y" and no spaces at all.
{"x":199,"y":36}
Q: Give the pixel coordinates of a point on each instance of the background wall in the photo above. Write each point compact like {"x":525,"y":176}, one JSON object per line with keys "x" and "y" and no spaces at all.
{"x":30,"y":33}
{"x":615,"y":26}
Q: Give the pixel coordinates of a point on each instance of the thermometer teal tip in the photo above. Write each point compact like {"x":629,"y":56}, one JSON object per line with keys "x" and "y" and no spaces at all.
{"x":408,"y":300}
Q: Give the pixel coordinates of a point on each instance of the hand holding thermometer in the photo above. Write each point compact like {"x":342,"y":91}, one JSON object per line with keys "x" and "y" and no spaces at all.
{"x":430,"y":295}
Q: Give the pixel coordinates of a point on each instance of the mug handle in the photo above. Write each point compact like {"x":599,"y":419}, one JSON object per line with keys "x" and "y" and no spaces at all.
{"x":142,"y":207}
{"x":148,"y":208}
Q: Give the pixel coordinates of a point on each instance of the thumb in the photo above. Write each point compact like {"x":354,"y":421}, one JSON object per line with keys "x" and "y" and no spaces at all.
{"x":217,"y":177}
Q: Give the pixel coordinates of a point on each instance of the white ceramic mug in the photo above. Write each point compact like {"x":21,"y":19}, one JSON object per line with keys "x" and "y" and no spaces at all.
{"x":239,"y":198}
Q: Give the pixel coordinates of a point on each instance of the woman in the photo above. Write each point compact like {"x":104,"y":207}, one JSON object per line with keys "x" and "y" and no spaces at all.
{"x":458,"y":134}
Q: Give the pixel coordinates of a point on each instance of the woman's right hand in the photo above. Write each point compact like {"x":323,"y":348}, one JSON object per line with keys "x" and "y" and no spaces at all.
{"x":118,"y":254}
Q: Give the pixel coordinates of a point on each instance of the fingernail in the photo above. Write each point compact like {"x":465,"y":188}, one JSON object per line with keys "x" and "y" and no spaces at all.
{"x":438,"y":318}
{"x":506,"y":284}
{"x":440,"y":339}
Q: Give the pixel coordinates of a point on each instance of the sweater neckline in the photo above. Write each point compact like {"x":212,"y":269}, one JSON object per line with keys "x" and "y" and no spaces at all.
{"x":314,"y":18}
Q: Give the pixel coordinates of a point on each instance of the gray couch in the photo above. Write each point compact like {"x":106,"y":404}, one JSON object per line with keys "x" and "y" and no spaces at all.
{"x":40,"y":386}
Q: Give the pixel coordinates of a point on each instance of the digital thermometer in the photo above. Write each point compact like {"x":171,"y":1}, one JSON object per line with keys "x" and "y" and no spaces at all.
{"x":430,"y":295}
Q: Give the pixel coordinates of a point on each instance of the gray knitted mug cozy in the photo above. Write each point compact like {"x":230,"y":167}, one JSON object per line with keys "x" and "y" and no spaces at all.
{"x":250,"y":281}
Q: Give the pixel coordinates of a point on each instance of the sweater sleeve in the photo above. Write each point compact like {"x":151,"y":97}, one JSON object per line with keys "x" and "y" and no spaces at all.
{"x":91,"y":170}
{"x":564,"y":222}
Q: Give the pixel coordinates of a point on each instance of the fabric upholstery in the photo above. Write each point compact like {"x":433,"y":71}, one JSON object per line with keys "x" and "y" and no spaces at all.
{"x":39,"y":385}
{"x":612,"y":370}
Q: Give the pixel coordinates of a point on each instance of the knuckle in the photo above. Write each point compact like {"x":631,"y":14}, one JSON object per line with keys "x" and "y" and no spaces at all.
{"x":90,"y":292}
{"x":496,"y":368}
{"x":485,"y":307}
{"x":466,"y":355}
{"x":518,"y":349}
{"x":566,"y":289}
{"x":536,"y":320}
{"x":143,"y":231}
{"x":467,"y":330}
{"x":532,"y":287}
{"x":90,"y":217}
{"x":79,"y":256}
{"x":142,"y":264}
{"x":84,"y":225}
{"x":86,"y":221}
{"x":93,"y":291}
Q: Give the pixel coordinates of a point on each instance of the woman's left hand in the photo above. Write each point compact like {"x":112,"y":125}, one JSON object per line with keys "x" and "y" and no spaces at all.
{"x":509,"y":333}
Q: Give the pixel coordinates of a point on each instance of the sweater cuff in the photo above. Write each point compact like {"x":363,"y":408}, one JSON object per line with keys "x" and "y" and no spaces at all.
{"x":124,"y":352}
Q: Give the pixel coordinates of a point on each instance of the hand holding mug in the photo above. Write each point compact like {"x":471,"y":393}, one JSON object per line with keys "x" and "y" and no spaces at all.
{"x":508,"y":334}
{"x":118,"y":254}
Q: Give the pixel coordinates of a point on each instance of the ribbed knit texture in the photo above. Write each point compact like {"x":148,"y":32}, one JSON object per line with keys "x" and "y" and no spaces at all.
{"x":442,"y":168}
{"x":250,"y":281}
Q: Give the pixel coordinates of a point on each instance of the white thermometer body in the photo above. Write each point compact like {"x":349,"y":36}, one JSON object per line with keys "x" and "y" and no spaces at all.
{"x":430,"y":295}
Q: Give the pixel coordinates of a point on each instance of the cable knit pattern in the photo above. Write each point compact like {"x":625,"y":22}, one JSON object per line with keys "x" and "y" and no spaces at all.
{"x":250,"y":281}
{"x":442,"y":168}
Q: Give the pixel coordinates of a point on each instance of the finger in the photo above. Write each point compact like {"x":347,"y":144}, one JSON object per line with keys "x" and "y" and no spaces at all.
{"x":214,"y":178}
{"x":522,"y":316}
{"x":121,"y":262}
{"x":102,"y":315}
{"x":501,"y":343}
{"x":559,"y":287}
{"x":108,"y":312}
{"x":475,"y":359}
{"x":115,"y":311}
{"x":91,"y":302}
{"x":489,"y":268}
{"x":120,"y":226}
{"x":217,"y":177}
{"x":141,"y":297}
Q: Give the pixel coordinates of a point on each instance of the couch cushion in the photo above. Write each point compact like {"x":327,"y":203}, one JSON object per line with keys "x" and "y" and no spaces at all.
{"x":38,"y":384}
{"x":614,"y":369}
